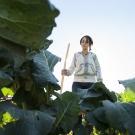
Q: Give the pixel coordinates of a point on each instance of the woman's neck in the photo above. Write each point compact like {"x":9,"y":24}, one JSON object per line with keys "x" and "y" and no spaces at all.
{"x":85,"y":52}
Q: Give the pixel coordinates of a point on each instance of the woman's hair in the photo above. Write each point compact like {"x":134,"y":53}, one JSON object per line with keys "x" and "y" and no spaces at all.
{"x":88,"y":39}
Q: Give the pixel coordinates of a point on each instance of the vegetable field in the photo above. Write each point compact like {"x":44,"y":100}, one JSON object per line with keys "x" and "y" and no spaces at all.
{"x":27,"y":83}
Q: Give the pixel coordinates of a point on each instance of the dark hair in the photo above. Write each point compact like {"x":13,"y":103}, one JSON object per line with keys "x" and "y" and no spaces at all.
{"x":88,"y":38}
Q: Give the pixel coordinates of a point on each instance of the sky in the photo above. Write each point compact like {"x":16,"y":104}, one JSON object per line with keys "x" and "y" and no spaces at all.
{"x":110,"y":23}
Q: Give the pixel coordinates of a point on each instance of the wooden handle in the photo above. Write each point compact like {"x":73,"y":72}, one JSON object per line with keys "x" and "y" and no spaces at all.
{"x":62,"y":79}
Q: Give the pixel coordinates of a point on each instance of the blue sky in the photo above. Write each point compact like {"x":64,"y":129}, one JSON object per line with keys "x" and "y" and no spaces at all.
{"x":110,"y":23}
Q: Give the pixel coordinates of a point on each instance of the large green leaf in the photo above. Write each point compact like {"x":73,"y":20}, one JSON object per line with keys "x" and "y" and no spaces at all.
{"x":121,"y":117}
{"x":89,"y":93}
{"x":94,"y":121}
{"x":78,"y":129}
{"x":67,"y":116}
{"x":51,"y":59}
{"x":11,"y":56}
{"x":130,"y":108}
{"x":28,"y":123}
{"x":97,"y":90}
{"x":49,"y":109}
{"x":99,"y":113}
{"x":91,"y":103}
{"x":42,"y":67}
{"x":129,"y":83}
{"x":110,"y":95}
{"x":27,"y":23}
{"x":31,"y":52}
{"x":86,"y":105}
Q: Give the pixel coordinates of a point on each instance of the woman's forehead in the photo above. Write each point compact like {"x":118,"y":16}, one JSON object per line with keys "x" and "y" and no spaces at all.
{"x":84,"y":39}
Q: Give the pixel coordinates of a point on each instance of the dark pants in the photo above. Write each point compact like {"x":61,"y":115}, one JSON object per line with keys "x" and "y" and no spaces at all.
{"x":82,"y":85}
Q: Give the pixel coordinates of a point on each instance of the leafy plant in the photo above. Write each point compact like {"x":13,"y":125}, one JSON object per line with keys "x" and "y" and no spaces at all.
{"x":25,"y":65}
{"x":6,"y":118}
{"x":127,"y":96}
{"x":27,"y":23}
{"x":129,"y":83}
{"x":104,"y":112}
{"x":28,"y":121}
{"x":26,"y":74}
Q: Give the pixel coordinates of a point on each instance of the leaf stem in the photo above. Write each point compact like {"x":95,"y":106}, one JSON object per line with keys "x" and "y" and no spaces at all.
{"x":110,"y":131}
{"x":24,"y":105}
{"x":48,"y":93}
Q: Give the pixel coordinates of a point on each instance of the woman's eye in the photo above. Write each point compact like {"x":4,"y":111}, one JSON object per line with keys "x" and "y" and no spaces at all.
{"x":85,"y":42}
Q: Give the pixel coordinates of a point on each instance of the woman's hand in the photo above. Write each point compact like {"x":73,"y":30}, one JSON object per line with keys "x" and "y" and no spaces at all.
{"x":64,"y":72}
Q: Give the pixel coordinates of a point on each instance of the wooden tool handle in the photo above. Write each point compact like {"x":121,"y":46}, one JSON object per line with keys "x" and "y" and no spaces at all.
{"x":62,"y":79}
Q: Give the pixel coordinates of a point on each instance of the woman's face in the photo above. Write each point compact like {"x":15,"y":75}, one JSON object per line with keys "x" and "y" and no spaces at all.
{"x":85,"y":44}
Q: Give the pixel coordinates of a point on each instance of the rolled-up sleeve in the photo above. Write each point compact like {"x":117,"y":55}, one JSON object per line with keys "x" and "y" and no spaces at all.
{"x":98,"y":69}
{"x":71,"y":69}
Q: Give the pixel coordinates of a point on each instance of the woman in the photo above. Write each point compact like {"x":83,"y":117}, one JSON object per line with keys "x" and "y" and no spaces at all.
{"x":86,"y":66}
{"x":87,"y":69}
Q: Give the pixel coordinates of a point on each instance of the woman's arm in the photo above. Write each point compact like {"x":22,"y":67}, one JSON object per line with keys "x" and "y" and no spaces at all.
{"x":98,"y":69}
{"x":71,"y":69}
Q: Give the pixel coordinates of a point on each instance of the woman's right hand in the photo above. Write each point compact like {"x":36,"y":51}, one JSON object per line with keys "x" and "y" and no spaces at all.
{"x":64,"y":72}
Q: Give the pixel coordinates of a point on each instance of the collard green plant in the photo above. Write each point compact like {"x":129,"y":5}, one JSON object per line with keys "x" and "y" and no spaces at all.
{"x":120,"y":116}
{"x":42,"y":67}
{"x":107,"y":116}
{"x":129,"y":83}
{"x":97,"y":90}
{"x":127,"y":96}
{"x":27,"y":23}
{"x":91,"y":104}
{"x":116,"y":116}
{"x":91,"y":98}
{"x":26,"y":68}
{"x":24,"y":27}
{"x":68,"y":113}
{"x":11,"y":56}
{"x":29,"y":122}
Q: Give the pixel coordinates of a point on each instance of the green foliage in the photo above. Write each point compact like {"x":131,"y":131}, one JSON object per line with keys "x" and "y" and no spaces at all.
{"x":7,"y":118}
{"x":42,"y":68}
{"x":127,"y":96}
{"x":11,"y":56}
{"x":68,"y":113}
{"x":25,"y":65}
{"x":27,"y":23}
{"x":91,"y":98}
{"x":120,"y":116}
{"x":7,"y":91}
{"x":129,"y":83}
{"x":105,"y":114}
{"x":21,"y":96}
{"x":97,"y":90}
{"x":26,"y":68}
{"x":29,"y":122}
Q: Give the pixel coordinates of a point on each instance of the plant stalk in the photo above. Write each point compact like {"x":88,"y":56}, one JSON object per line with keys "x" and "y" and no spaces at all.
{"x":48,"y":93}
{"x":24,"y":105}
{"x":110,"y":131}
